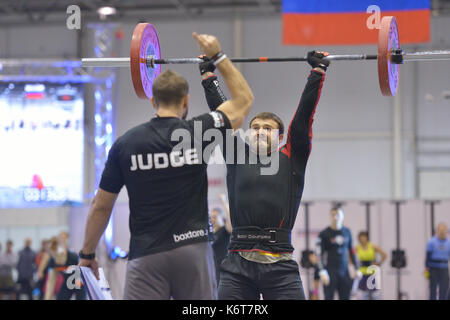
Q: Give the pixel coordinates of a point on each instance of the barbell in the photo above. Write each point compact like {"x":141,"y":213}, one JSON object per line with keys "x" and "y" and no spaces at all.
{"x":145,"y":58}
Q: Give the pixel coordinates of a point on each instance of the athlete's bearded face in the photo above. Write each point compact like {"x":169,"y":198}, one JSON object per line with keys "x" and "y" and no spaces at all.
{"x":264,"y":136}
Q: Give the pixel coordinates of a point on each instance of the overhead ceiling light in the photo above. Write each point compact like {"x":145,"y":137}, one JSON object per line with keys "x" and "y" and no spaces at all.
{"x":104,"y":12}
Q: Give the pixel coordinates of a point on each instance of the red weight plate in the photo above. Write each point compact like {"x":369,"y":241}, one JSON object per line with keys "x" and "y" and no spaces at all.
{"x":387,"y":42}
{"x":144,"y":43}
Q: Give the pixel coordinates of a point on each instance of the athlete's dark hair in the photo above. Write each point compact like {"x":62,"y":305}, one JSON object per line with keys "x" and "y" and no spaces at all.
{"x":363,"y":233}
{"x":169,"y":88}
{"x":271,"y":116}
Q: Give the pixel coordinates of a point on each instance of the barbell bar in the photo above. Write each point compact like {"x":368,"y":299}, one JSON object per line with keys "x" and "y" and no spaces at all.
{"x":150,"y":60}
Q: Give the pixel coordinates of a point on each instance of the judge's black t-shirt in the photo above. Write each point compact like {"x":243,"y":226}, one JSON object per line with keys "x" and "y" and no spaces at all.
{"x":163,"y":165}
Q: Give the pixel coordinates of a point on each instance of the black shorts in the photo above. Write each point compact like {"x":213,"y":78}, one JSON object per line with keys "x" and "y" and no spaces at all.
{"x":241,"y":279}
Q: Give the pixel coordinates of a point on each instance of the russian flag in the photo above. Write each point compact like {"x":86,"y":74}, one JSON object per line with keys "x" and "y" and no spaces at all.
{"x":337,"y":22}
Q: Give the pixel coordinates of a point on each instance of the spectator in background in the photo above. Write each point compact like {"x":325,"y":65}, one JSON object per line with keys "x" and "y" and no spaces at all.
{"x":8,"y":261}
{"x":26,"y":269}
{"x":367,"y":252}
{"x":63,"y":263}
{"x":42,"y":252}
{"x":222,"y":230}
{"x":41,"y":276}
{"x":314,"y":294}
{"x":334,"y":247}
{"x":50,"y":279}
{"x":438,"y":254}
{"x":64,"y":240}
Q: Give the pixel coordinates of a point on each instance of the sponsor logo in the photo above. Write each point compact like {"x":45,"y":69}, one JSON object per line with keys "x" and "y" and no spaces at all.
{"x":190,"y":235}
{"x":254,"y":236}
